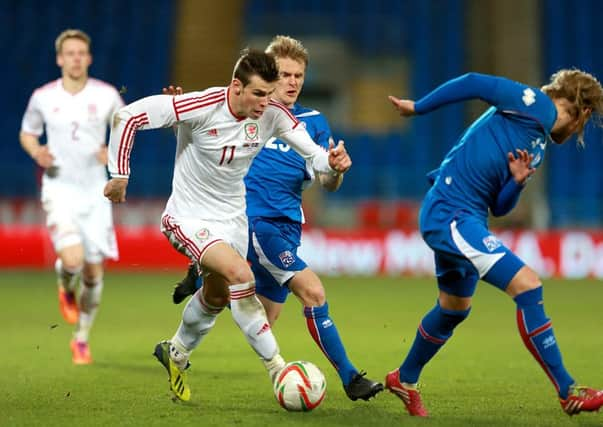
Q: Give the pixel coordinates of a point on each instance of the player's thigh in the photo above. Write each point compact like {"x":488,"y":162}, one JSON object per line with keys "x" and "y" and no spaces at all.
{"x":194,"y":237}
{"x":61,"y":220}
{"x":223,"y":261}
{"x":98,"y":232}
{"x":273,"y":256}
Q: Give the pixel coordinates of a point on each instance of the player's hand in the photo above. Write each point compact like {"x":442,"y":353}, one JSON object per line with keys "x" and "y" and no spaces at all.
{"x":102,"y":155}
{"x":115,"y":190}
{"x":405,"y":107}
{"x":43,"y":157}
{"x":339,"y":159}
{"x":521,"y":166}
{"x":171,"y":90}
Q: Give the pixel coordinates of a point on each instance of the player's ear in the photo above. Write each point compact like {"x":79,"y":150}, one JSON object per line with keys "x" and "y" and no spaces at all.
{"x":60,"y":61}
{"x":237,"y":86}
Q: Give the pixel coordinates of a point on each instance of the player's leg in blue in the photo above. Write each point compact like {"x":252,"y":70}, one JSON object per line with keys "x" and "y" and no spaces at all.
{"x":537,"y":334}
{"x":278,"y":269}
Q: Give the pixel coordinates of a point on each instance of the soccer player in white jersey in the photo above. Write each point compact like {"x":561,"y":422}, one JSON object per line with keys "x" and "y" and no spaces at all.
{"x":220,"y":131}
{"x":75,"y":111}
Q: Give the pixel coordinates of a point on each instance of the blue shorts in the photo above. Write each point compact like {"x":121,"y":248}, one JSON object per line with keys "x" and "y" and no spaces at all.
{"x":466,"y":251}
{"x":272,"y":254}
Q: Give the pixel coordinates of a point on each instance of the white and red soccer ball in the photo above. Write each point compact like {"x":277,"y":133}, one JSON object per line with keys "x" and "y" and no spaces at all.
{"x":300,"y":386}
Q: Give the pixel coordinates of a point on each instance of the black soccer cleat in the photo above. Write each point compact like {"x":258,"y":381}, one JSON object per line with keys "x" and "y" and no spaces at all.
{"x":362,"y":388}
{"x":187,"y":286}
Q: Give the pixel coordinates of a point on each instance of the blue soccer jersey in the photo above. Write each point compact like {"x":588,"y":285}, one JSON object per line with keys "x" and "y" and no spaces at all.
{"x":278,"y":175}
{"x":476,"y":169}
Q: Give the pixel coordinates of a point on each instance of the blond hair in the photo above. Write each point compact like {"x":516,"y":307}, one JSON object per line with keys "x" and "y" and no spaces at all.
{"x":71,"y":34}
{"x":288,"y":47}
{"x":581,"y":89}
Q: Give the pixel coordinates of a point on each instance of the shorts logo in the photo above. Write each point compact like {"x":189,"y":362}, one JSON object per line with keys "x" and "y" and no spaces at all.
{"x":251,"y":131}
{"x":491,"y":242}
{"x":202,"y":234}
{"x":286,"y":258}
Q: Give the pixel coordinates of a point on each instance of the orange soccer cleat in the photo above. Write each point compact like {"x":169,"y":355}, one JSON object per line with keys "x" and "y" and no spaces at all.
{"x":409,"y":395}
{"x":68,"y":305}
{"x":80,"y":352}
{"x":582,"y":398}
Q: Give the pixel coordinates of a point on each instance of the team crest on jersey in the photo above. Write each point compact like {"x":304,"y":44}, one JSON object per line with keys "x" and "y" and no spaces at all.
{"x":202,"y":234}
{"x":492,"y":243}
{"x":251,"y":131}
{"x":287,"y":258}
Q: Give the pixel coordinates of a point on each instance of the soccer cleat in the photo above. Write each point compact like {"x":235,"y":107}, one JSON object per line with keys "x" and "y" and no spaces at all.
{"x":68,"y":305}
{"x":582,"y":398}
{"x":177,"y":377}
{"x":187,"y":286}
{"x":409,"y":395}
{"x":80,"y":352}
{"x":361,"y":387}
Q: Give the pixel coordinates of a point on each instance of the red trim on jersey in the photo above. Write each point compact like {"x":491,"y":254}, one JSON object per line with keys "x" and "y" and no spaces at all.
{"x":126,"y":142}
{"x":191,"y":100}
{"x":197,"y":106}
{"x":175,"y":109}
{"x":239,"y":118}
{"x":286,"y":110}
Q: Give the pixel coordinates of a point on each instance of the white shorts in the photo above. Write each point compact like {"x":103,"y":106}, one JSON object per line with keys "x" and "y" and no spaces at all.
{"x":192,"y":237}
{"x":74,"y":218}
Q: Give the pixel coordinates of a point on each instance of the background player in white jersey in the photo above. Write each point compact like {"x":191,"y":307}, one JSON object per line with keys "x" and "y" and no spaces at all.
{"x":220,"y":131}
{"x":75,"y":110}
{"x":275,"y":218}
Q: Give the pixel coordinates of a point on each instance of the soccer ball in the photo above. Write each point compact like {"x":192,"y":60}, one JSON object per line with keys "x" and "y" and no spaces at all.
{"x":300,"y":386}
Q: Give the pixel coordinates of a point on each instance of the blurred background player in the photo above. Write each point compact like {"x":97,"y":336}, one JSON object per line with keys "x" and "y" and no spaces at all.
{"x":75,"y":110}
{"x":275,"y":218}
{"x":487,"y":170}
{"x":220,"y":131}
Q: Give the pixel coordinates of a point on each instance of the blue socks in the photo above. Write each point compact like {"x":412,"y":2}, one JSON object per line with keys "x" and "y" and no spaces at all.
{"x":433,"y":332}
{"x":323,"y":331}
{"x":537,"y":334}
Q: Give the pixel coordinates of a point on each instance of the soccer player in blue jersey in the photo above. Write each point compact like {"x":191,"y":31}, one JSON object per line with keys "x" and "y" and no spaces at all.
{"x":486,"y":171}
{"x":274,"y":186}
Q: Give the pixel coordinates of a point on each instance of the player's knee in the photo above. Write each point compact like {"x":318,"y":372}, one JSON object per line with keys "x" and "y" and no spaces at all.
{"x":239,"y":273}
{"x":311,"y":294}
{"x":72,"y":262}
{"x":450,"y":319}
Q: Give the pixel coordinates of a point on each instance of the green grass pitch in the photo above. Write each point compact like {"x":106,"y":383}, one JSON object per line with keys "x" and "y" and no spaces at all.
{"x":483,"y":377}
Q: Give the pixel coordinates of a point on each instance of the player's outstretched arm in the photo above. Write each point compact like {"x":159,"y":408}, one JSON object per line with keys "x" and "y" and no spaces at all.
{"x":405,"y":107}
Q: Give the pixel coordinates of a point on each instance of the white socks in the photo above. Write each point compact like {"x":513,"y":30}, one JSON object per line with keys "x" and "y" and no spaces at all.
{"x":198,"y":318}
{"x":67,"y":278}
{"x":249,"y":314}
{"x":89,"y":299}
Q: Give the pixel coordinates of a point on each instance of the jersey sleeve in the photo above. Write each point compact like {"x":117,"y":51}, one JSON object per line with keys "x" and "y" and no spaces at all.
{"x":504,"y":94}
{"x":153,"y":112}
{"x":33,"y":120}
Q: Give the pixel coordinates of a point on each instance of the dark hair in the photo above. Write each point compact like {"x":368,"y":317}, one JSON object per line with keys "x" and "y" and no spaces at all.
{"x":254,"y":62}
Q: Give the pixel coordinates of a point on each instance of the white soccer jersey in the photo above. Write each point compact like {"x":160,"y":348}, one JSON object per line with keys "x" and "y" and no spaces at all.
{"x":76,"y":126}
{"x":215,"y":148}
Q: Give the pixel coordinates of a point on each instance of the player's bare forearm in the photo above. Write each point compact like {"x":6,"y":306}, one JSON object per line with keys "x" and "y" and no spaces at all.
{"x":39,"y":153}
{"x":115,"y":190}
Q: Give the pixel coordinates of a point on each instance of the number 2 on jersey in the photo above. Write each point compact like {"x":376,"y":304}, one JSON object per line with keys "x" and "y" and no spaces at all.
{"x":225,"y":149}
{"x":74,"y":128}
